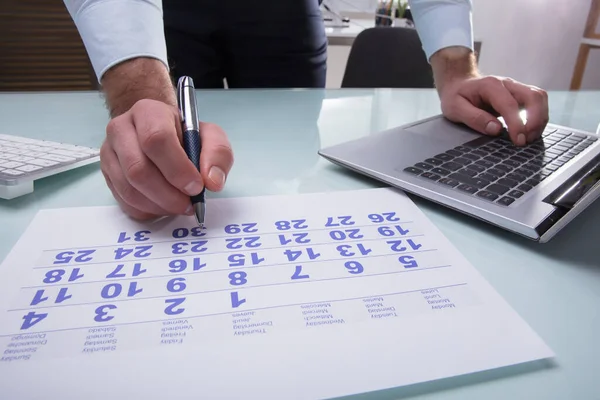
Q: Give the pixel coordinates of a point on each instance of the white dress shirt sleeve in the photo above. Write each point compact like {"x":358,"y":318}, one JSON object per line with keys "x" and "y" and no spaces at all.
{"x":443,"y":23}
{"x":117,"y":30}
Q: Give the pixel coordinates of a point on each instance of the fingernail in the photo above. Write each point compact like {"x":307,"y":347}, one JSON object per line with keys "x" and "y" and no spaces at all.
{"x":521,"y":139}
{"x":492,"y":128}
{"x":217,"y":175}
{"x":193,"y":188}
{"x":189,"y":210}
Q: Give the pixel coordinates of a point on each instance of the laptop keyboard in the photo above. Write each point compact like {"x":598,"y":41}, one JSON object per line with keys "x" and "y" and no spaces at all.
{"x":495,"y":170}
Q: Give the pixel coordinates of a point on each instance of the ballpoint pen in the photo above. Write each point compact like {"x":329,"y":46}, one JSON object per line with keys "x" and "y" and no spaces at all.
{"x":190,"y":127}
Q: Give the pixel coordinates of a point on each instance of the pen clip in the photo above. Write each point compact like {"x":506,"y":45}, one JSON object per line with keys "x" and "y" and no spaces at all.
{"x":186,"y":101}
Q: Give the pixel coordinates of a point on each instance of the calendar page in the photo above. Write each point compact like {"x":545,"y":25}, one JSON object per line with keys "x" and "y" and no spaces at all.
{"x":297,"y":297}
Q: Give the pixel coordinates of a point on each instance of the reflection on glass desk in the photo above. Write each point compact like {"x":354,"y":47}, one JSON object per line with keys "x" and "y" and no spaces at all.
{"x":276,"y":134}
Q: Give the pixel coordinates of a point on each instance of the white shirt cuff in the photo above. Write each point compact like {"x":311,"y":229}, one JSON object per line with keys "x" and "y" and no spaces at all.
{"x":443,"y":23}
{"x":117,"y":30}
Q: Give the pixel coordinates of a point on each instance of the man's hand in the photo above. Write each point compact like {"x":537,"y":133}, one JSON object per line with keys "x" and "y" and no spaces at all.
{"x":477,"y":101}
{"x":142,"y":159}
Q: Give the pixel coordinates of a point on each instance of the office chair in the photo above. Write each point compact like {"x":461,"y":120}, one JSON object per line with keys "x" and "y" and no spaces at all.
{"x":390,"y":57}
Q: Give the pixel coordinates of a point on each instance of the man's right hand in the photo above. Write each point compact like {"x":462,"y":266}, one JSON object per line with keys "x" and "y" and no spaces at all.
{"x":142,"y":157}
{"x":146,"y":167}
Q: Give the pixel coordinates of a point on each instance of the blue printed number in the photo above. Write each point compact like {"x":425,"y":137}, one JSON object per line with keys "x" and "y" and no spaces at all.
{"x":238,"y":278}
{"x":386,"y":216}
{"x":298,"y":273}
{"x":172,"y":303}
{"x":180,"y":265}
{"x":39,"y":296}
{"x":195,"y":247}
{"x":293,"y":255}
{"x":116,"y":273}
{"x":80,"y":256}
{"x":102,"y":313}
{"x":387,"y":231}
{"x":196,"y":231}
{"x":354,"y":267}
{"x":341,"y":220}
{"x":113,"y":290}
{"x":139,"y":236}
{"x":346,"y":249}
{"x":346,"y":234}
{"x":31,"y":318}
{"x":293,"y":224}
{"x":239,"y":260}
{"x":238,"y":243}
{"x":296,"y":238}
{"x":238,"y":228}
{"x":56,"y":275}
{"x":176,"y":285}
{"x":396,"y":245}
{"x":408,"y":261}
{"x":138,"y":252}
{"x":236,"y":301}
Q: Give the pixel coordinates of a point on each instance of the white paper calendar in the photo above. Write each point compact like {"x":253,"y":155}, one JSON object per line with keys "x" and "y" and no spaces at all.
{"x":299,"y":297}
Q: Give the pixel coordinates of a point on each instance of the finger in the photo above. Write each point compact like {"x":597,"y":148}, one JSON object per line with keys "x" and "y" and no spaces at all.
{"x":535,"y":101}
{"x":159,"y":131}
{"x":124,"y":190}
{"x":142,"y":174}
{"x":127,"y":209}
{"x":463,"y":111}
{"x":216,"y":158}
{"x":493,"y":92}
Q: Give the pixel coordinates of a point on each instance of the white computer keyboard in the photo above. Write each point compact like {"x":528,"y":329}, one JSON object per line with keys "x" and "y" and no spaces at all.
{"x":24,"y":160}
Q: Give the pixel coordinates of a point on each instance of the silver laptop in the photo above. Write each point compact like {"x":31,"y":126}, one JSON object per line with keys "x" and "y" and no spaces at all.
{"x":533,"y":191}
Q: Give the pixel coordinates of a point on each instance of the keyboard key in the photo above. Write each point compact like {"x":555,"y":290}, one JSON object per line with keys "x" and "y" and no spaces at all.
{"x":525,"y":187}
{"x":430,"y":175}
{"x":511,"y":163}
{"x":479,"y":183}
{"x":29,"y":168}
{"x":454,"y":153}
{"x":503,"y":167}
{"x":434,"y":161}
{"x":507,"y":182}
{"x":468,"y":172}
{"x":444,"y":157}
{"x":476,"y":168}
{"x":10,"y":164}
{"x":43,"y":163}
{"x":516,"y":194}
{"x":471,"y":157}
{"x":463,"y":161}
{"x":22,"y":159}
{"x":12,"y":172}
{"x":463,"y":149}
{"x":488,"y":177}
{"x":452,"y":166}
{"x":56,"y":157}
{"x":497,"y":188}
{"x":493,"y":159}
{"x":440,"y":171}
{"x":560,"y":147}
{"x":496,"y":172}
{"x":480,"y":153}
{"x":467,"y":188}
{"x":524,"y":171}
{"x":484,"y":194}
{"x":7,"y":156}
{"x":68,"y":153}
{"x":423,"y":166}
{"x":518,"y":159}
{"x":484,"y":163}
{"x":506,"y":201}
{"x":534,"y":181}
{"x":450,"y":182}
{"x":516,"y":177}
{"x":413,"y":170}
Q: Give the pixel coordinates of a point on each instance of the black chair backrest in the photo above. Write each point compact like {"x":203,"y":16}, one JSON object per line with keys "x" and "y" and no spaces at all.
{"x":389,"y":57}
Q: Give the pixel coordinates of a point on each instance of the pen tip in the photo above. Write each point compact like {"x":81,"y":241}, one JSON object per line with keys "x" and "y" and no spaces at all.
{"x":200,"y":211}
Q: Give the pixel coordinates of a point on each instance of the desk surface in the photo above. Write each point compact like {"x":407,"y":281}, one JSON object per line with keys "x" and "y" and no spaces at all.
{"x":276,"y":135}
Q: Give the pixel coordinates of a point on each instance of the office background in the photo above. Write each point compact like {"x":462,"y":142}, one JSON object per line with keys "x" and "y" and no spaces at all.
{"x":534,"y":41}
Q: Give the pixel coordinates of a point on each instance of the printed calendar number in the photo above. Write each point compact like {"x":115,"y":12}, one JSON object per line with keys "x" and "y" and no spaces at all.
{"x":238,"y":278}
{"x":56,"y":275}
{"x":354,"y":267}
{"x":60,"y":297}
{"x":234,"y":229}
{"x":197,"y":246}
{"x":137,"y":252}
{"x":196,"y":231}
{"x":301,"y":238}
{"x":293,"y":255}
{"x":239,"y":260}
{"x":408,"y":261}
{"x":80,"y":256}
{"x":398,"y":245}
{"x":176,"y":285}
{"x":238,"y":243}
{"x":113,"y":290}
{"x":235,"y":300}
{"x":172,"y":303}
{"x":117,"y":272}
{"x":339,"y":220}
{"x":392,"y":231}
{"x":386,"y":216}
{"x":102,"y":313}
{"x":298,"y":273}
{"x":32,"y":318}
{"x":292,"y":224}
{"x":140,"y":236}
{"x":176,"y":266}
{"x":346,"y":234}
{"x":349,"y":250}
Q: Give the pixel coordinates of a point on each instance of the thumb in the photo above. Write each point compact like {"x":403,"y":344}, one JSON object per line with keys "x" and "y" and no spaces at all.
{"x":475,"y":118}
{"x":216,"y":156}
